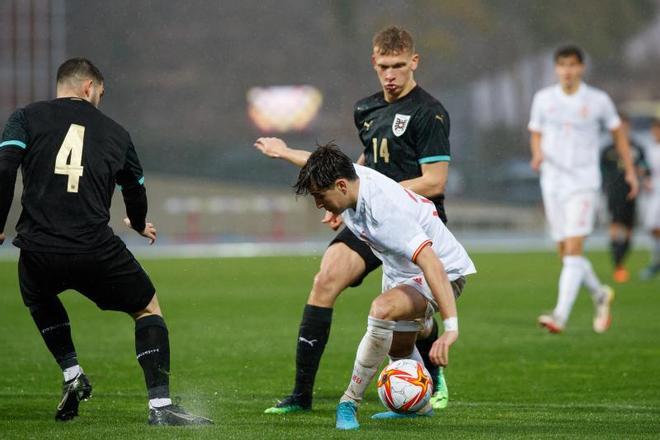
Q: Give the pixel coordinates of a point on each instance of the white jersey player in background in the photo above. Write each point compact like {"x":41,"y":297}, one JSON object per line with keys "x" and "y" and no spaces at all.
{"x":565,"y":124}
{"x":424,"y":266}
{"x":652,"y":215}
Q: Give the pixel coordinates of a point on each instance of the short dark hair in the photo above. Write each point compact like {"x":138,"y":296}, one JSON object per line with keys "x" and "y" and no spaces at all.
{"x":393,"y":40}
{"x":78,"y":67}
{"x":324,"y":166}
{"x":655,"y":122}
{"x":569,"y":51}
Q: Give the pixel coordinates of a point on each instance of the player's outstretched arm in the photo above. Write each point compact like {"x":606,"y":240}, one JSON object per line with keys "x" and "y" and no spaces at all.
{"x":436,"y":277}
{"x":278,"y":149}
{"x":149,"y":230}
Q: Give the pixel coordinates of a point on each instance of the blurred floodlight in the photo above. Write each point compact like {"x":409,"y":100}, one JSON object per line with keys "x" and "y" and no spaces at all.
{"x":282,"y":109}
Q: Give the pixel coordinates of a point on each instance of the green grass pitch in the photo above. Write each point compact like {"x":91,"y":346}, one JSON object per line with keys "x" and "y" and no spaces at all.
{"x":233,"y":326}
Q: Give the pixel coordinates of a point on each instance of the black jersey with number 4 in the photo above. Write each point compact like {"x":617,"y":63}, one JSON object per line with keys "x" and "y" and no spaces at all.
{"x":71,"y":157}
{"x":399,"y":137}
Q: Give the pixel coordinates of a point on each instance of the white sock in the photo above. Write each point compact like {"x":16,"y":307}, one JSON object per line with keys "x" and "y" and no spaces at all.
{"x":373,"y":348}
{"x":159,"y":403}
{"x":71,"y":372}
{"x":591,"y":280}
{"x":570,"y":280}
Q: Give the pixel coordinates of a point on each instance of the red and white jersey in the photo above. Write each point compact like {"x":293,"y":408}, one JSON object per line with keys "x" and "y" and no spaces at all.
{"x":397,"y":224}
{"x":570,"y":126}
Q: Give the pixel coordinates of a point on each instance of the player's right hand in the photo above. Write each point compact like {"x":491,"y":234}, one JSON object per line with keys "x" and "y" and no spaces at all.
{"x":332,"y":220}
{"x":2,"y":237}
{"x":536,"y":161}
{"x":271,"y":146}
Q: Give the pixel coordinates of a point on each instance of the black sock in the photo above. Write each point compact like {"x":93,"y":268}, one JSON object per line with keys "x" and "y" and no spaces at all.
{"x":152,"y":347}
{"x":312,"y":337}
{"x":53,"y":324}
{"x":619,"y":251}
{"x":424,"y":347}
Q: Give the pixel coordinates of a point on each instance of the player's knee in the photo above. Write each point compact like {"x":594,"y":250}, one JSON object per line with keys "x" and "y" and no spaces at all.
{"x":326,"y":287}
{"x":153,"y":308}
{"x":382,"y":309}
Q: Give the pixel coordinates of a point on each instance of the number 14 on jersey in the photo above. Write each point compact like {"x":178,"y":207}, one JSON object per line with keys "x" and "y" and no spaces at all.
{"x":72,"y":147}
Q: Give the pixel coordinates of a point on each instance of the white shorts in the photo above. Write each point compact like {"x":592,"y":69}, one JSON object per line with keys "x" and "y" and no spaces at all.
{"x":420,"y":285}
{"x":570,"y":215}
{"x":652,"y":211}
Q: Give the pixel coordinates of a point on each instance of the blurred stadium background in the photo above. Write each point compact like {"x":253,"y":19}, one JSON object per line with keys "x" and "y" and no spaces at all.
{"x":195,"y":82}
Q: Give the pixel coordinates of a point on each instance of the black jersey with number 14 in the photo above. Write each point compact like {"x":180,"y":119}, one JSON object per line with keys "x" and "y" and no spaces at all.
{"x":400,"y":136}
{"x":71,"y":156}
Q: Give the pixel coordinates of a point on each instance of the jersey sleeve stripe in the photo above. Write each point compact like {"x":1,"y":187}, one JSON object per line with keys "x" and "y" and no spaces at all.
{"x":432,"y":159}
{"x":140,"y":181}
{"x":419,"y":249}
{"x":14,"y":143}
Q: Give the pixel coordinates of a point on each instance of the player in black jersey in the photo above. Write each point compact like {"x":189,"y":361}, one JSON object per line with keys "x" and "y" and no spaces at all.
{"x":621,"y":208}
{"x":405,"y":134}
{"x":71,"y":157}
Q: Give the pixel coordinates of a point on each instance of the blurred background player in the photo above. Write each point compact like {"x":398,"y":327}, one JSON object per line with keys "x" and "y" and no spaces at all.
{"x":565,"y":125}
{"x":405,"y":134}
{"x":652,"y":217}
{"x":424,"y":266}
{"x":71,"y":157}
{"x":622,"y":209}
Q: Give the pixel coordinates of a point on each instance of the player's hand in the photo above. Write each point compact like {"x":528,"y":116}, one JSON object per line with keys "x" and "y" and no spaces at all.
{"x":2,"y":237}
{"x":536,"y":161}
{"x":332,"y":220}
{"x":439,"y":353}
{"x":148,"y":232}
{"x":271,"y":146}
{"x":633,"y":184}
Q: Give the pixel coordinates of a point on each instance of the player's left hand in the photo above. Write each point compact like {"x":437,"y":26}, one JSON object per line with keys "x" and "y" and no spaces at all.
{"x":439,"y":353}
{"x":148,"y":232}
{"x":2,"y":237}
{"x":633,"y":184}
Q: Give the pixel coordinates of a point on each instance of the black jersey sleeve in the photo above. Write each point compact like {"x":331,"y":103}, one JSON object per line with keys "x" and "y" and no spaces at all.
{"x":12,"y":149}
{"x":130,"y":180}
{"x":431,"y":130}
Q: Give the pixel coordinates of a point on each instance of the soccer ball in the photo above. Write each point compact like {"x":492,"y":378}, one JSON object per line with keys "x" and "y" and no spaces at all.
{"x":405,"y":386}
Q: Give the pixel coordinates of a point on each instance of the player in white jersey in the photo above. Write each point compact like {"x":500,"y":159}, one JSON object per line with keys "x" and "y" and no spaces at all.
{"x":423,"y":264}
{"x":565,"y":124}
{"x":652,"y":217}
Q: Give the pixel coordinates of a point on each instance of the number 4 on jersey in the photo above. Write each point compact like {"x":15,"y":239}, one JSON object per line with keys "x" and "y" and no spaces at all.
{"x":69,"y":157}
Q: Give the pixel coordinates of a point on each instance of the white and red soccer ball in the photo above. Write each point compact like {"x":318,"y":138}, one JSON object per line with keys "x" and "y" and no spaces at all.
{"x":405,"y":386}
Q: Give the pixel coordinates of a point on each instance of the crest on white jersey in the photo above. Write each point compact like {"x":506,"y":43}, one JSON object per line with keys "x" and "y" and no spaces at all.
{"x":400,"y":124}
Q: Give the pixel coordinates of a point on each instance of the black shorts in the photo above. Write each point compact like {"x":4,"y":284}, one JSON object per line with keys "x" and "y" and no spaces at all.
{"x":364,"y":251}
{"x":621,"y":209}
{"x":111,"y":277}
